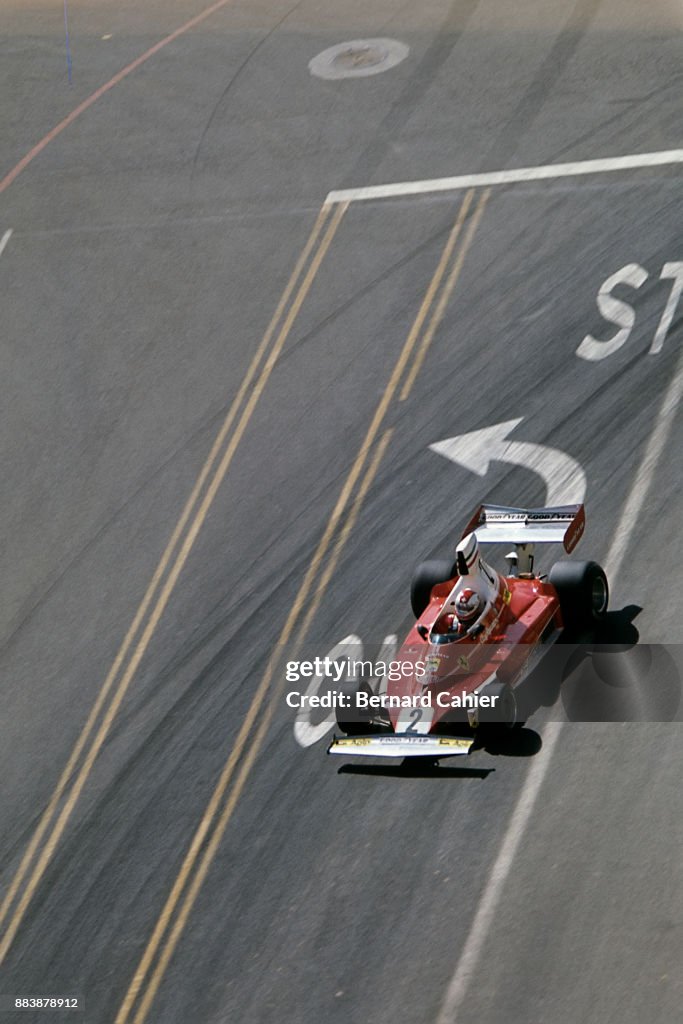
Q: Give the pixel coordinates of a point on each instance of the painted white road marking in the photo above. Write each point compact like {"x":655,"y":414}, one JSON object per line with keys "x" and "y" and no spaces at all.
{"x":564,"y":478}
{"x":488,"y":906}
{"x":670,"y":271}
{"x":4,"y":240}
{"x":615,"y":312}
{"x":544,"y":172}
{"x":645,"y":472}
{"x":305,"y":732}
{"x":622,"y":314}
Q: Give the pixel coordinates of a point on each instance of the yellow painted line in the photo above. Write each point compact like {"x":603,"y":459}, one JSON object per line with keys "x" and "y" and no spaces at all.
{"x":203,"y":830}
{"x":344,"y":535}
{"x":445,"y":295}
{"x":222,"y":824}
{"x":240,"y":742}
{"x":181,"y":558}
{"x":49,"y":811}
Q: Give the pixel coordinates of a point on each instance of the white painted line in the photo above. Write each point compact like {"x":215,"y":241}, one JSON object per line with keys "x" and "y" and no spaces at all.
{"x":414,"y":188}
{"x":488,"y":906}
{"x":645,"y":473}
{"x":4,"y":240}
{"x":495,"y":885}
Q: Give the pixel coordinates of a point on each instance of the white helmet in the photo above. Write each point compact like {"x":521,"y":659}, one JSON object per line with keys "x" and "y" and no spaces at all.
{"x":467,"y":606}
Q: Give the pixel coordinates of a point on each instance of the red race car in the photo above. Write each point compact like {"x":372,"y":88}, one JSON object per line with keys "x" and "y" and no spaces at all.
{"x":478,"y":634}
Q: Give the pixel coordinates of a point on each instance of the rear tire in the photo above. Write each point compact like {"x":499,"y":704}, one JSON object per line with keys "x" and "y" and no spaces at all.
{"x":425,"y":578}
{"x":583,"y":592}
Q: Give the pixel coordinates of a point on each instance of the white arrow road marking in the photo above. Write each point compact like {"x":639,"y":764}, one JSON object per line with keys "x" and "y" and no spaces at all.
{"x":5,"y":239}
{"x":564,"y":478}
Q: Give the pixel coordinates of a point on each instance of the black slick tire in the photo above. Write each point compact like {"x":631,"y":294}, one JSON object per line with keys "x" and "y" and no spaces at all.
{"x":501,"y":716}
{"x":583,"y":592}
{"x":352,"y":720}
{"x":425,"y":578}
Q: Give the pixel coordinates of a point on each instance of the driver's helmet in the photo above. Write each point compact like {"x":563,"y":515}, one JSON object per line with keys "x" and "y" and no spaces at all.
{"x":468,"y":606}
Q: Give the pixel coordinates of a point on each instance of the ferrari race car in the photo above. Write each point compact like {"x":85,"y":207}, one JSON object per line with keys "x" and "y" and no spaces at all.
{"x":478,"y":634}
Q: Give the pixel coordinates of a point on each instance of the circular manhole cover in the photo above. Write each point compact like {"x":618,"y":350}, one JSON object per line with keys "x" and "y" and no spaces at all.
{"x":357,"y":58}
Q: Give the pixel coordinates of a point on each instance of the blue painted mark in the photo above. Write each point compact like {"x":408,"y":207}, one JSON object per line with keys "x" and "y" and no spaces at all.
{"x":68,"y":43}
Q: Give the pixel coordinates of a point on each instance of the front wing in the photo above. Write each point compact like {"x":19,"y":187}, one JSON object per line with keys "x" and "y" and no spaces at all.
{"x":400,"y":745}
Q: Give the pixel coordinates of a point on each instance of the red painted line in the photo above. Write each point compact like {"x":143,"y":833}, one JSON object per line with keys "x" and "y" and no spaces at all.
{"x":118,"y":77}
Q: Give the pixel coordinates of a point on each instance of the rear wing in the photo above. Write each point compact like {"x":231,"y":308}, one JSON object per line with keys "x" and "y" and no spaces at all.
{"x":501,"y":524}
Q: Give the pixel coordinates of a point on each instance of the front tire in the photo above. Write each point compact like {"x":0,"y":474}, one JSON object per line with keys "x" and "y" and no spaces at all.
{"x":583,"y":592}
{"x":502,"y":714}
{"x":354,"y":721}
{"x":425,"y":578}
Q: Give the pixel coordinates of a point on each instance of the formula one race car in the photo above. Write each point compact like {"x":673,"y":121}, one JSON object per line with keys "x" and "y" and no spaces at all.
{"x":478,"y":634}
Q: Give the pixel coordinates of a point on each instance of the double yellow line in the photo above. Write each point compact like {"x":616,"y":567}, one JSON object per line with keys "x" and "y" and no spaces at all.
{"x":207,"y":838}
{"x":94,"y":733}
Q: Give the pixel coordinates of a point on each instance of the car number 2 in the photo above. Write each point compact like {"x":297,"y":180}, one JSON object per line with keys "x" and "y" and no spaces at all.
{"x":415,"y":721}
{"x":415,"y":715}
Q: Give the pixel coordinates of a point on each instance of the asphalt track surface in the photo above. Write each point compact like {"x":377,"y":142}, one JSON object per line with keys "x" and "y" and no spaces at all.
{"x":151,"y":243}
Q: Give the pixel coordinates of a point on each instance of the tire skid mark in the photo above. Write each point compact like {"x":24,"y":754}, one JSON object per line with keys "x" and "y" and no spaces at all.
{"x":208,"y":835}
{"x":103,"y":713}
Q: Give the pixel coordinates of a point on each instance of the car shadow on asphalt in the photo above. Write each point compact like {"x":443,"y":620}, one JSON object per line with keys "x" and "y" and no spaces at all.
{"x":607,"y":675}
{"x":519,"y":741}
{"x":543,"y":687}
